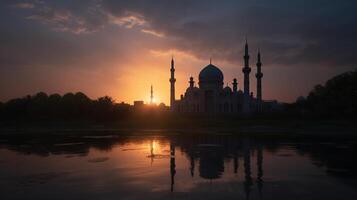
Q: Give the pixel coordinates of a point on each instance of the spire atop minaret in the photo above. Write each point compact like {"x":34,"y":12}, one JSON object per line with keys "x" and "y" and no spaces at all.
{"x":210,"y":61}
{"x":172,"y":61}
{"x":259,"y":61}
{"x":246,"y":46}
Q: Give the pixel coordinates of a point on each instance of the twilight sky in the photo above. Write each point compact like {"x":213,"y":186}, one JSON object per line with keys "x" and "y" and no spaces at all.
{"x":118,"y":48}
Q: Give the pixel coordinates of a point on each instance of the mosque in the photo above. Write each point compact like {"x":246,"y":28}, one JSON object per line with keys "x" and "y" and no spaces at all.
{"x":212,"y":97}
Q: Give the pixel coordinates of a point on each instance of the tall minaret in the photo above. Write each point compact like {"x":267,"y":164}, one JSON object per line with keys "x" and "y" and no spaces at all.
{"x":172,"y":83}
{"x":259,"y":76}
{"x":246,"y":70}
{"x":151,"y":95}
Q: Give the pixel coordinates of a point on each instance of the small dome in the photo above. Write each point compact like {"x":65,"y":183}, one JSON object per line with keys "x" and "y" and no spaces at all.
{"x":227,"y":89}
{"x":211,"y":73}
{"x":192,"y":89}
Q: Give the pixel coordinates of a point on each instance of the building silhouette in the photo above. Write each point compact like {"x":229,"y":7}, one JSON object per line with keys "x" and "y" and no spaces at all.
{"x":212,"y":97}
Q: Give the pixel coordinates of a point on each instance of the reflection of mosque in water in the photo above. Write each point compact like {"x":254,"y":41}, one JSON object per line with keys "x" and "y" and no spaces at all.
{"x":209,"y":157}
{"x":211,"y":154}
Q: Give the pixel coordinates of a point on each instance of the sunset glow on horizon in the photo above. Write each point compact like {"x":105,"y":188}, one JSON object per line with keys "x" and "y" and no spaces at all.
{"x":119,"y":49}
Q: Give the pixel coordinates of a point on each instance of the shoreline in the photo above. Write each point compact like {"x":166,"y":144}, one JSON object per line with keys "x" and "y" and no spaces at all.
{"x":266,"y":128}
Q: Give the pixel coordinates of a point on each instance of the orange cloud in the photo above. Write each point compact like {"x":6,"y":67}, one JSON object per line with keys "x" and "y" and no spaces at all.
{"x":153,"y":32}
{"x":24,"y":5}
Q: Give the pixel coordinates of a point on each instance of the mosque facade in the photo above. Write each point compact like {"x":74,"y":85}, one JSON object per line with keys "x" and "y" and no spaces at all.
{"x":212,"y":97}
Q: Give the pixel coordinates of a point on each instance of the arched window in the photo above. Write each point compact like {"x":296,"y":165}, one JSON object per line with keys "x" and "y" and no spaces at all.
{"x":239,"y":107}
{"x":226,"y":107}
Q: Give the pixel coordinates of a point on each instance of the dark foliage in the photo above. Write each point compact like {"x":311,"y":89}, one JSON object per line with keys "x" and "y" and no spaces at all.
{"x":337,"y":98}
{"x":67,"y":107}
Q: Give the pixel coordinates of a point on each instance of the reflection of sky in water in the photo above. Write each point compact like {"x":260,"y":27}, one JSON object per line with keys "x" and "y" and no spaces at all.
{"x":158,"y":167}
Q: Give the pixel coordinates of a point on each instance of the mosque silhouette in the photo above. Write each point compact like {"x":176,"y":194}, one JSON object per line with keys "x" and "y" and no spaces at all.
{"x":212,"y":97}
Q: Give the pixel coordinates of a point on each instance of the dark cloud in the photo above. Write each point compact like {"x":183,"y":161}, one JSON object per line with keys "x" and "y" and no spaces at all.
{"x":72,"y":16}
{"x":288,"y":32}
{"x":54,"y":41}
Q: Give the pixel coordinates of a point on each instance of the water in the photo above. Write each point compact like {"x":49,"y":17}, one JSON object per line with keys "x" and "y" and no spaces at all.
{"x":176,"y":167}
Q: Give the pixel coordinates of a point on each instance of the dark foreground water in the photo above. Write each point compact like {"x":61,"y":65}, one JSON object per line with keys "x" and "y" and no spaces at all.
{"x":176,"y":167}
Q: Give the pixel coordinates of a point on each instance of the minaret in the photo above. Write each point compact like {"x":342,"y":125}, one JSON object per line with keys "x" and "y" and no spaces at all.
{"x":235,"y":85}
{"x":151,"y":95}
{"x":259,"y":76}
{"x":246,"y":70}
{"x":192,"y":82}
{"x":172,"y":83}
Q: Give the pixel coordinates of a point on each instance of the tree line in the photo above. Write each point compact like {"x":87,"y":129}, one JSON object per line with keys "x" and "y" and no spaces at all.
{"x":337,"y":98}
{"x":70,"y":106}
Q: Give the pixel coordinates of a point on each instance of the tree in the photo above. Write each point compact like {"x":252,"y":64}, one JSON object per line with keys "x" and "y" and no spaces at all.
{"x":338,"y":97}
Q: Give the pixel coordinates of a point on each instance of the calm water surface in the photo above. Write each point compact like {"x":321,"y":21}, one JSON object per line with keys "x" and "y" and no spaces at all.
{"x":176,"y":167}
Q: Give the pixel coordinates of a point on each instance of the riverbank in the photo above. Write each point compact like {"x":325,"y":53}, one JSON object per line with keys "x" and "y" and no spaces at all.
{"x":259,"y":127}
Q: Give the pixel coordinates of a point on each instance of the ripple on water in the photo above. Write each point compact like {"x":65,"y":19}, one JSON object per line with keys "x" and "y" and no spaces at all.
{"x":98,"y":160}
{"x":41,"y":178}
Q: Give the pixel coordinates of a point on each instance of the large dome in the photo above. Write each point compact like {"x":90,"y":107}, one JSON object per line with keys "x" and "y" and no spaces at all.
{"x":211,"y":74}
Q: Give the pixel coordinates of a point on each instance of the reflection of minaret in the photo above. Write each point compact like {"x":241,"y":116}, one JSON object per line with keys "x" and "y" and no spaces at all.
{"x":246,"y":70}
{"x":247,"y":172}
{"x":260,"y":169}
{"x":192,"y":165}
{"x":235,"y":162}
{"x":151,"y":95}
{"x":172,"y":165}
{"x":152,"y":152}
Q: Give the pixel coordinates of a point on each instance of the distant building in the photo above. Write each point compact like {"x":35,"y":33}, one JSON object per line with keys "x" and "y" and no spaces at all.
{"x":272,"y":106}
{"x":138,"y":104}
{"x":212,"y":97}
{"x":123,"y":106}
